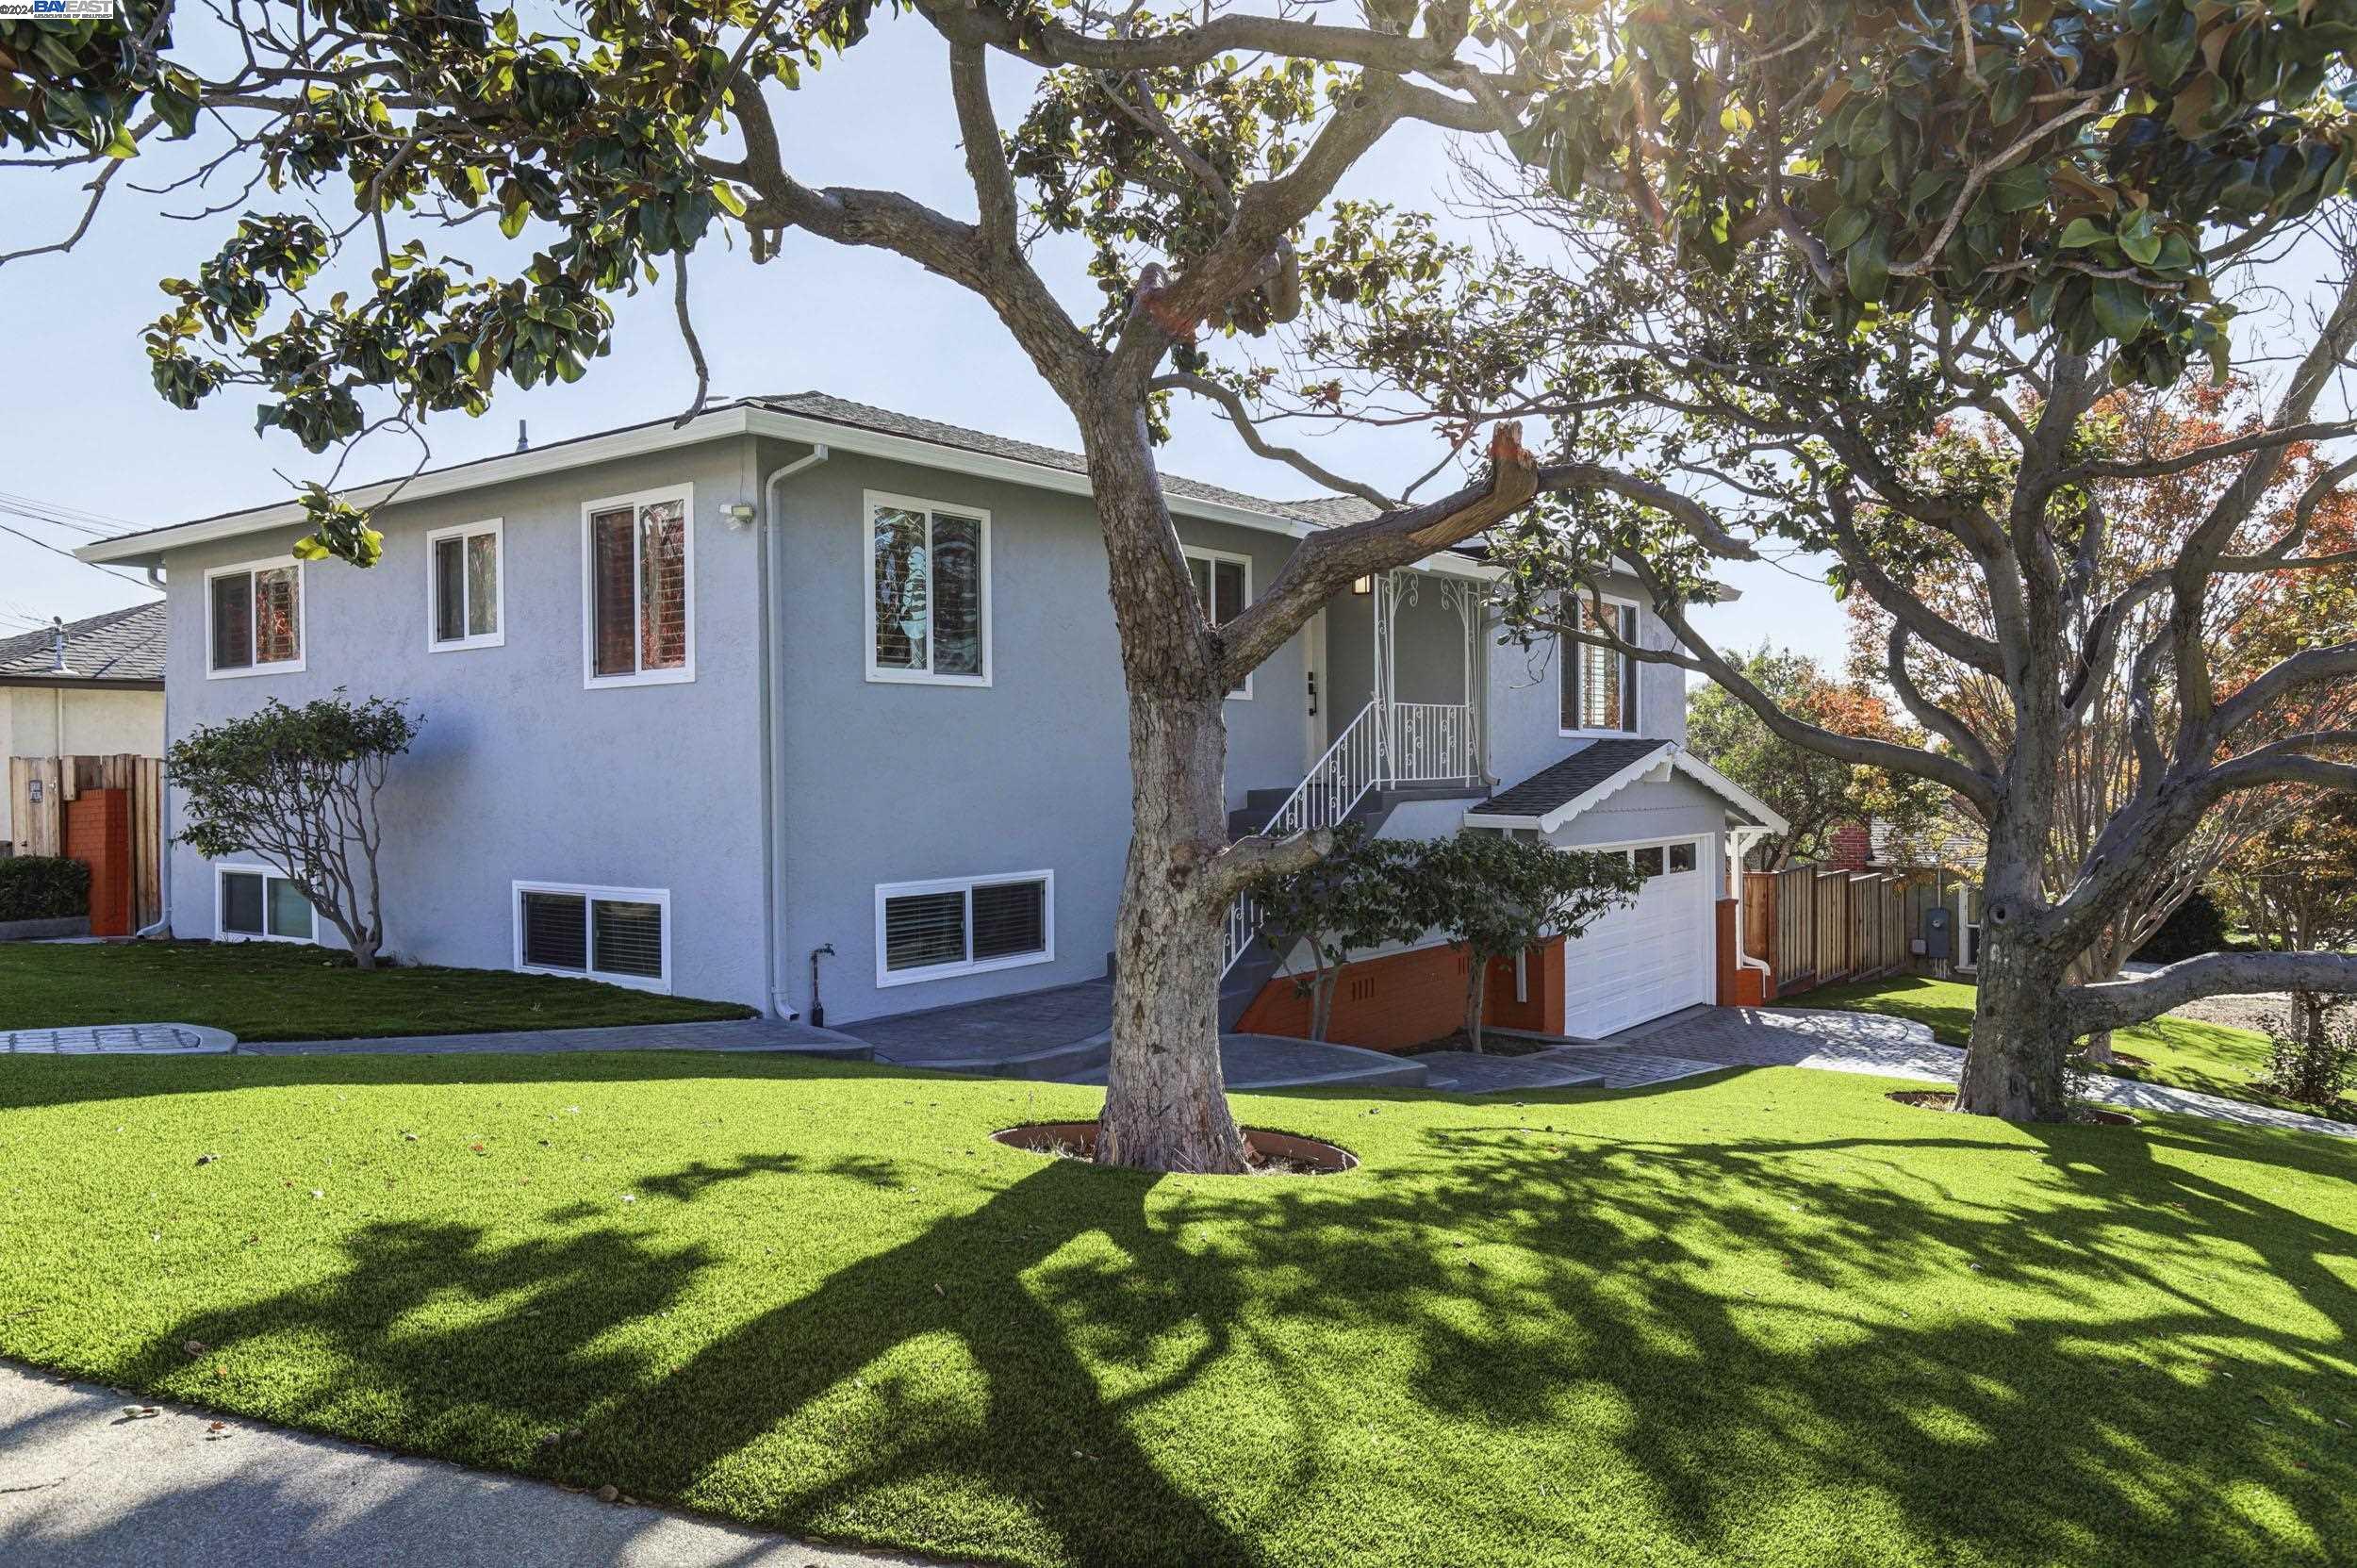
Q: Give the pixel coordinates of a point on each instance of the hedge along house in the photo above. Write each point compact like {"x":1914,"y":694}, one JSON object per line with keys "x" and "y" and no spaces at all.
{"x":809,"y":703}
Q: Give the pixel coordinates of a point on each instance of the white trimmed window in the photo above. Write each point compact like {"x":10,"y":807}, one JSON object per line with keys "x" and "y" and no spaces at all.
{"x":254,"y":619}
{"x":1600,"y":684}
{"x":464,"y":588}
{"x":964,"y":925}
{"x":622,"y":936}
{"x":638,"y":588}
{"x":928,"y":591}
{"x":253,"y":903}
{"x":1223,"y":585}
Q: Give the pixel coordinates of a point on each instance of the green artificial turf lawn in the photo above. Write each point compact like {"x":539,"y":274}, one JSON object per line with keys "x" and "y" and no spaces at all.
{"x":2184,"y":1053}
{"x":1766,"y":1318}
{"x":281,"y":991}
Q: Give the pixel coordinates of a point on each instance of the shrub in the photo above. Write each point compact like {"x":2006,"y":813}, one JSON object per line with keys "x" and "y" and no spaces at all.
{"x":2195,"y":928}
{"x":43,"y":887}
{"x":2312,"y":1050}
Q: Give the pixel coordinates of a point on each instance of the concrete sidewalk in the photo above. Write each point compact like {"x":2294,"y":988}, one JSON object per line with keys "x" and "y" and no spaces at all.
{"x":86,"y":1484}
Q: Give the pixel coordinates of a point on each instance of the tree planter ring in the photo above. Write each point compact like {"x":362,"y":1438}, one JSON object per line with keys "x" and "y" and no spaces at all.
{"x":1285,"y":1153}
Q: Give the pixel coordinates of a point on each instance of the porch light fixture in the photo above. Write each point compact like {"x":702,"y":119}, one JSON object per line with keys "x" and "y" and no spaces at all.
{"x":1362,"y":585}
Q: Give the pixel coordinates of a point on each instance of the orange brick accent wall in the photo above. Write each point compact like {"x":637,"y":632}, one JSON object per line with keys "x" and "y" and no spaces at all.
{"x":1404,"y":999}
{"x":1853,"y":848}
{"x":98,"y":834}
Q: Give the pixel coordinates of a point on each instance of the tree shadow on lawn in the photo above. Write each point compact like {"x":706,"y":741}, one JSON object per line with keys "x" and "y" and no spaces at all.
{"x":1501,"y":1343}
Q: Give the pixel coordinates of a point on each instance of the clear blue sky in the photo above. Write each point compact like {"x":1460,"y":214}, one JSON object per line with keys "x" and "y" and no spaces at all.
{"x":86,"y":429}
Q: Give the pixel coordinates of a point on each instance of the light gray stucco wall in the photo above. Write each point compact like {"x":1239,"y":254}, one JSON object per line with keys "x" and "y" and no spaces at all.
{"x":519,"y":772}
{"x":889,"y":782}
{"x":1526,"y":694}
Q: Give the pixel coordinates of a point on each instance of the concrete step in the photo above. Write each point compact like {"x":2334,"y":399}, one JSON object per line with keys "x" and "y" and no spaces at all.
{"x":1252,"y":1062}
{"x":1050,"y":1065}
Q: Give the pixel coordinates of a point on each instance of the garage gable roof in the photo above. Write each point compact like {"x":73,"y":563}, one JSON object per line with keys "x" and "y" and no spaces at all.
{"x":1600,"y":770}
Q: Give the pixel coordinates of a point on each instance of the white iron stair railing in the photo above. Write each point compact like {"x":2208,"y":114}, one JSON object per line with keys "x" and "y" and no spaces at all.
{"x":1336,"y":782}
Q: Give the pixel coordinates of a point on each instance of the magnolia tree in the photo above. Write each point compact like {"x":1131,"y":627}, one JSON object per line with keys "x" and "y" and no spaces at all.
{"x":1184,"y":154}
{"x":297,"y":787}
{"x":2250,"y":620}
{"x":1822,"y":237}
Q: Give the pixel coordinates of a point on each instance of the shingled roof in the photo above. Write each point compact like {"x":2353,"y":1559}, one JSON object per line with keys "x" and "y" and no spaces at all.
{"x":1567,"y":781}
{"x":121,"y":646}
{"x":1323,"y":512}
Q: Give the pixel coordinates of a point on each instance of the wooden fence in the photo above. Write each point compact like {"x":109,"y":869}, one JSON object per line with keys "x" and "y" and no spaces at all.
{"x":39,"y":788}
{"x":1812,"y":926}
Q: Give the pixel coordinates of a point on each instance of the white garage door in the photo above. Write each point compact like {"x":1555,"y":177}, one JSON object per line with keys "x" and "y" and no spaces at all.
{"x":1648,"y":958}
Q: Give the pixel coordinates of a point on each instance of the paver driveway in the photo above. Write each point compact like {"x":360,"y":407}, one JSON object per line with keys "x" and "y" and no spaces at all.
{"x":1901,"y":1048}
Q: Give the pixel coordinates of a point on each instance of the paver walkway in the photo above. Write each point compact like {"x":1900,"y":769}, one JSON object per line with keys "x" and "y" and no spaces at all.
{"x":1901,"y":1048}
{"x":1000,"y":1027}
{"x":85,"y":1484}
{"x":118,"y":1040}
{"x":733,"y":1034}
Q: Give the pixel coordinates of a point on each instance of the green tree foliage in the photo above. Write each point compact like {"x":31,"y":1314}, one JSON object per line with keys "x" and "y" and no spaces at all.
{"x":1493,"y":896}
{"x":297,"y":787}
{"x":1811,"y":791}
{"x":1352,"y":899}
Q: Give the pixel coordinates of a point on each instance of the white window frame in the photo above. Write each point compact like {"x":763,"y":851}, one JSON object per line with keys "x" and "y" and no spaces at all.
{"x":223,"y":871}
{"x":497,"y":637}
{"x":303,"y":618}
{"x":1201,"y":553}
{"x":590,"y":680}
{"x":659,"y":897}
{"x":1967,"y":959}
{"x":885,"y":674}
{"x":889,"y":890}
{"x":1568,"y":650}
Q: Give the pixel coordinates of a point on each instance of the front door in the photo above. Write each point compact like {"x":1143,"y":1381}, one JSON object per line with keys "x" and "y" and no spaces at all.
{"x":1316,"y":697}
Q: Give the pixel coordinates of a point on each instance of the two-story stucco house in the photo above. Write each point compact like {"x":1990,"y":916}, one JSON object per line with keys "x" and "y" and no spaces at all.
{"x":701,"y":703}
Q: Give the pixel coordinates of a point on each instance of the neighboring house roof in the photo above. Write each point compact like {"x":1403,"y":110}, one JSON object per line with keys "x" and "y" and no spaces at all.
{"x":120,"y":648}
{"x":1601,"y":768}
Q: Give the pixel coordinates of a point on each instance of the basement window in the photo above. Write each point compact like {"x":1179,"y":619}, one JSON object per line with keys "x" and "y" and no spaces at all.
{"x":964,"y":925}
{"x":253,"y":903}
{"x":621,"y":935}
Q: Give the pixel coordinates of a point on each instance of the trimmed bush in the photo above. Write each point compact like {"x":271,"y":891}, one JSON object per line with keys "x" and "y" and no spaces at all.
{"x":43,"y":887}
{"x":2195,"y":927}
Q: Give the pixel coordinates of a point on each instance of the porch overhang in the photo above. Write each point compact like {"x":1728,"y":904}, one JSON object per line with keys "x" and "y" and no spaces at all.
{"x":1599,"y":770}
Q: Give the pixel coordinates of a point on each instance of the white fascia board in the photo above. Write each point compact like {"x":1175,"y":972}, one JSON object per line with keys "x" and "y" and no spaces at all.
{"x":1668,"y":752}
{"x":983,"y":465}
{"x":661,"y":435}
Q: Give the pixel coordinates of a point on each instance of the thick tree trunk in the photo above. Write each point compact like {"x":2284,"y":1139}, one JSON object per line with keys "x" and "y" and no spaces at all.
{"x":1165,"y":1102}
{"x":2021,"y":1035}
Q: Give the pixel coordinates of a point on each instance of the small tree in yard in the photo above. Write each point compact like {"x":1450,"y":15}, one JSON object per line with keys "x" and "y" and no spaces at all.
{"x":1351,"y":899}
{"x":2295,"y":887}
{"x":1814,"y":793}
{"x":1494,"y":896}
{"x":297,"y":787}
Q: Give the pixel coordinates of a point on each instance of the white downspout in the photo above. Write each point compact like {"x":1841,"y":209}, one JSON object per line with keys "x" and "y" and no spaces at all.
{"x":1740,"y":842}
{"x":773,"y":717}
{"x":162,"y":923}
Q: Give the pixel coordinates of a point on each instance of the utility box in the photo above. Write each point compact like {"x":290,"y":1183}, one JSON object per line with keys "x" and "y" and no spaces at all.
{"x":1938,"y":933}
